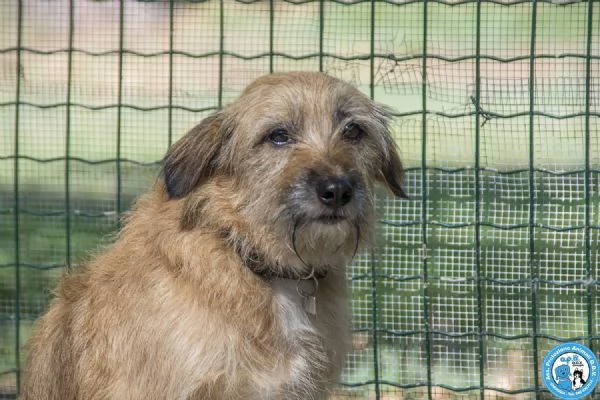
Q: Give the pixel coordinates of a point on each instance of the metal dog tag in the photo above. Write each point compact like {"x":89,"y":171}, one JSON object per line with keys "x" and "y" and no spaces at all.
{"x":310,"y":305}
{"x":308,"y":293}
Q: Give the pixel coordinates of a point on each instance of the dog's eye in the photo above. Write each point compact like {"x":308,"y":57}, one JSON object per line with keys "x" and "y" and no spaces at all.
{"x":280,"y":137}
{"x":352,"y":132}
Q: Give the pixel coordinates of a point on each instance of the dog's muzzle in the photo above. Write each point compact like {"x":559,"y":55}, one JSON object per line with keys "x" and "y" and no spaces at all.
{"x":336,"y":195}
{"x":334,"y":192}
{"x":327,"y":199}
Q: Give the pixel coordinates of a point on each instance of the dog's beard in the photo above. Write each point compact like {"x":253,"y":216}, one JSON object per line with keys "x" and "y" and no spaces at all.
{"x":334,"y":239}
{"x":316,"y":235}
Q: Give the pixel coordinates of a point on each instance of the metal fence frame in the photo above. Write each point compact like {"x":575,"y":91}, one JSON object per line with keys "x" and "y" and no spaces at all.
{"x":422,"y":174}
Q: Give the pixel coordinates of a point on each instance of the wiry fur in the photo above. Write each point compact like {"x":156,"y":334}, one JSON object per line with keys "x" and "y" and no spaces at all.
{"x":172,"y":311}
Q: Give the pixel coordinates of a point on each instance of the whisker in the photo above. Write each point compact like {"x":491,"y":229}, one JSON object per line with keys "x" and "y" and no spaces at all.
{"x":296,"y":224}
{"x":338,"y":248}
{"x":356,"y":239}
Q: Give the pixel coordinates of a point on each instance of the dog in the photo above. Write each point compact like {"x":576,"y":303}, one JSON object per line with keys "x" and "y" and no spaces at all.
{"x":578,"y":380}
{"x":228,"y":279}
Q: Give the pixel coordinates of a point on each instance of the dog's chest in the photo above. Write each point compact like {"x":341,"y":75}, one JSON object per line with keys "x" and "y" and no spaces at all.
{"x":290,"y":309}
{"x":307,"y":338}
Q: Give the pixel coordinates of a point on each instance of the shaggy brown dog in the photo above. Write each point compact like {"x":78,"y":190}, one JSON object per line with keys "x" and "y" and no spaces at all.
{"x":228,"y":280}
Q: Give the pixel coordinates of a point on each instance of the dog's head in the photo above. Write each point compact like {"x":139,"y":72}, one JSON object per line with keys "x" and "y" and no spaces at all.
{"x":292,"y":161}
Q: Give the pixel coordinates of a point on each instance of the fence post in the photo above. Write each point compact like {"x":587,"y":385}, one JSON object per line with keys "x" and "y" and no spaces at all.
{"x":120,"y":110}
{"x":424,"y":199}
{"x":478,"y":277}
{"x":16,"y":205}
{"x":373,"y":258}
{"x":170,"y":84}
{"x":221,"y":52}
{"x":532,"y":256}
{"x":587,"y":182}
{"x":68,"y":134}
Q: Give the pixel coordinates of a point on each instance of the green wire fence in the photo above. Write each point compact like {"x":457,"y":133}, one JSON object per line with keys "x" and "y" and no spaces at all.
{"x":493,"y":260}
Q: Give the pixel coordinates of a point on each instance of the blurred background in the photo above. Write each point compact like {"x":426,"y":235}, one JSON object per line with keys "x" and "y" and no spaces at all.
{"x":492,"y":261}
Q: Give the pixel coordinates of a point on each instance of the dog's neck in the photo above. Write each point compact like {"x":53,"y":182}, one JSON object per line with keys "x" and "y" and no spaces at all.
{"x":268,"y":270}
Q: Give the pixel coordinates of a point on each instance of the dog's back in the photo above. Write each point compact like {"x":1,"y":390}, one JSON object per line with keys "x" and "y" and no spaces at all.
{"x":50,"y":369}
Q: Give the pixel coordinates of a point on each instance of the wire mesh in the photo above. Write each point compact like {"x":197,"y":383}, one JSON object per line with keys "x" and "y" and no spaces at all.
{"x":493,"y":260}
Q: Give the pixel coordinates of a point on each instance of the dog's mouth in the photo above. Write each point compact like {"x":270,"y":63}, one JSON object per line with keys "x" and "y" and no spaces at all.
{"x":330,"y":219}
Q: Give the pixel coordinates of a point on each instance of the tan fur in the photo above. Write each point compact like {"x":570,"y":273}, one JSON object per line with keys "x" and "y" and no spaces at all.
{"x":173,"y":311}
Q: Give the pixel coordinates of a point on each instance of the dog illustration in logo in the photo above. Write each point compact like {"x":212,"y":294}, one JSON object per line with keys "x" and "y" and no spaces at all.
{"x":562,"y":373}
{"x":578,"y":380}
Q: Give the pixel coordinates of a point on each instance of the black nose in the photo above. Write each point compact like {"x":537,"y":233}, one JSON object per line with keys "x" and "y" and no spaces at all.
{"x":334,"y":192}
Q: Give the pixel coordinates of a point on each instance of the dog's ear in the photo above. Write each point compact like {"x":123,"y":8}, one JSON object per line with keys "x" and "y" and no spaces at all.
{"x":194,"y":157}
{"x":392,"y":171}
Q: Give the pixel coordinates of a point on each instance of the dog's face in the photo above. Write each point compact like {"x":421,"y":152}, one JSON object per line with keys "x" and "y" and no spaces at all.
{"x":294,"y":159}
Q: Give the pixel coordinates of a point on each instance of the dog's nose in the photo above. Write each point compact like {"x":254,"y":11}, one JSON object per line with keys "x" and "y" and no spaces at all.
{"x":334,"y":192}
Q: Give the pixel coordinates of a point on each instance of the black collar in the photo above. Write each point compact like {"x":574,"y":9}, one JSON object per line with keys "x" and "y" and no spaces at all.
{"x":268,"y":272}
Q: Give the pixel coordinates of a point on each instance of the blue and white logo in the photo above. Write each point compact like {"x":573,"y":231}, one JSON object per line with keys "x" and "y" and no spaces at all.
{"x":570,"y":371}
